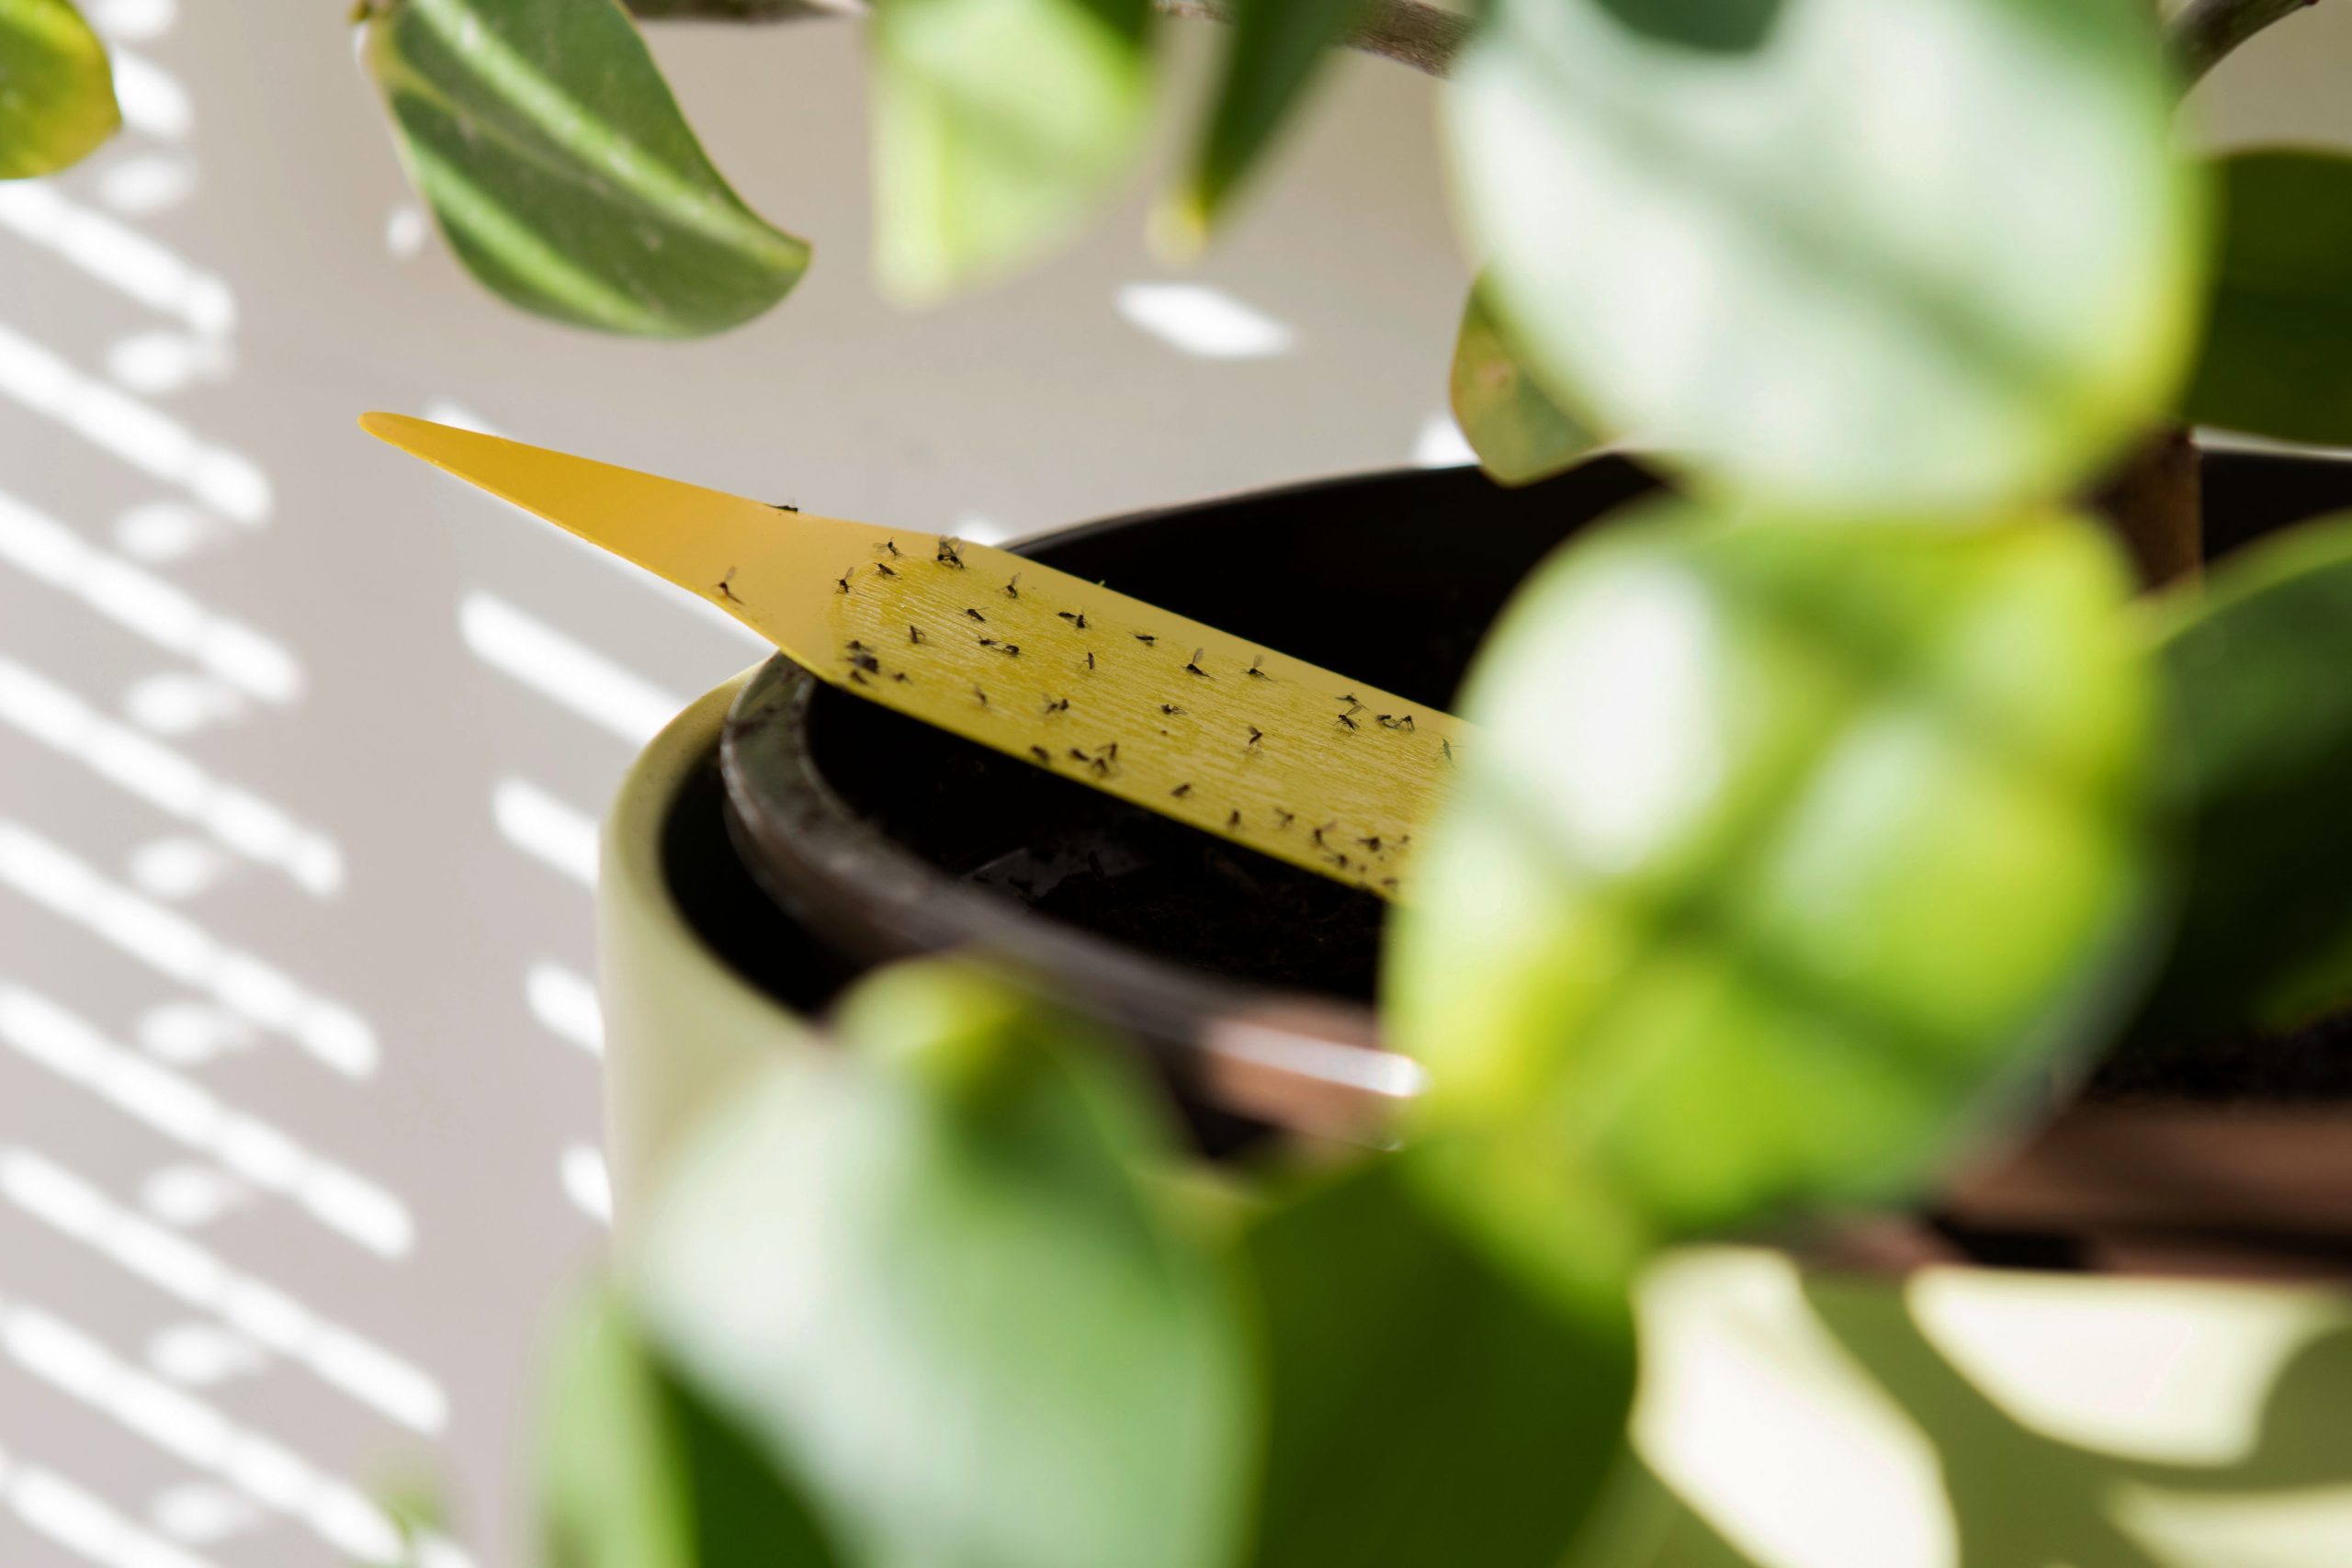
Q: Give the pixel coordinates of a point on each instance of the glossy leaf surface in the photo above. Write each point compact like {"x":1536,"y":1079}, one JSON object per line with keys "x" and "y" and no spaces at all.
{"x":998,"y":126}
{"x":556,"y":163}
{"x":56,"y":89}
{"x":2278,"y":354}
{"x":2260,"y":670}
{"x":1520,"y":434}
{"x":935,"y":1274}
{"x":1783,"y":844}
{"x":1842,"y":255}
{"x":1425,"y":1407}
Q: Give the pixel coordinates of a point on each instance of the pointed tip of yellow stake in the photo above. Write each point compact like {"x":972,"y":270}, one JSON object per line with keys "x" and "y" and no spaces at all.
{"x":1178,"y":717}
{"x":391,"y":427}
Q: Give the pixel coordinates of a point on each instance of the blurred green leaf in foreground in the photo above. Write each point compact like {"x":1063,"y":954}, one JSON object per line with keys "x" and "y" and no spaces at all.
{"x":56,"y":90}
{"x":1785,"y":846}
{"x":939,"y":1275}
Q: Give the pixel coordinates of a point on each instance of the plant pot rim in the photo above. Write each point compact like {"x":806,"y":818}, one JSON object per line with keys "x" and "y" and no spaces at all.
{"x":2163,"y":1189}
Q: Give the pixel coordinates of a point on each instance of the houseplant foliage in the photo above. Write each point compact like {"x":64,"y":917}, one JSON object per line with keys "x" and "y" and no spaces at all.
{"x":56,"y":91}
{"x":1817,"y":809}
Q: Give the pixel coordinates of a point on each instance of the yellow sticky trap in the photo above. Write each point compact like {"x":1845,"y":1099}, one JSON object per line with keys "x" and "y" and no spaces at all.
{"x":1163,"y":712}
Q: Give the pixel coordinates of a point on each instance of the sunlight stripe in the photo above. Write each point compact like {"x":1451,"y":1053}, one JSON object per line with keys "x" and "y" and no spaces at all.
{"x":198,"y":1434}
{"x":563,"y":670}
{"x":189,"y":1113}
{"x":189,"y":1272}
{"x":180,"y":949}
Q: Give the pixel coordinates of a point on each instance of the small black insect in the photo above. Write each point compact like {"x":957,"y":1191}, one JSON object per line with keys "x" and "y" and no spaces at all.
{"x":1077,"y":756}
{"x":1147,"y":638}
{"x":914,"y":634}
{"x":892,"y":546}
{"x":1389,"y":883}
{"x":1061,"y":704}
{"x":1012,"y":650}
{"x":949,"y":555}
{"x":1110,"y":751}
{"x":901,"y":677}
{"x":859,"y":677}
{"x":1353,"y":701}
{"x":1351,"y":724}
{"x":988,"y":642}
{"x":1284,"y":819}
{"x":1255,"y":672}
{"x":978,"y":616}
{"x":1372,"y":843}
{"x":1256,"y":735}
{"x":1233,"y":822}
{"x":982,"y":695}
{"x":1043,"y":757}
{"x":1103,"y":766}
{"x":1193,"y":664}
{"x":1317,"y":835}
{"x":866,"y":662}
{"x":1012,"y":586}
{"x":724,"y":587}
{"x":1405,"y":722}
{"x":854,"y":645}
{"x":844,"y":580}
{"x":783,"y":506}
{"x":1089,"y":661}
{"x":883,"y":568}
{"x":1446,"y":746}
{"x":1074,"y":617}
{"x":1171,"y":708}
{"x":1180,"y":791}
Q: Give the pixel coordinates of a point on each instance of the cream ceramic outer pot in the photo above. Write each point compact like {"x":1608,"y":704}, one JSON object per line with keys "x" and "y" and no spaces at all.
{"x":1801,"y":1416}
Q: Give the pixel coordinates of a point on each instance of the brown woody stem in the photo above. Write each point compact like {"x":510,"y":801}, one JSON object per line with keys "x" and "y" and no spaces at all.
{"x":2155,"y":504}
{"x":1411,"y":32}
{"x":2207,"y":30}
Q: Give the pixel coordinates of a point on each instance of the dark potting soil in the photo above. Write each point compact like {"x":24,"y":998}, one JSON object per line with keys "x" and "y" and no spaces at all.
{"x":2310,"y":1065}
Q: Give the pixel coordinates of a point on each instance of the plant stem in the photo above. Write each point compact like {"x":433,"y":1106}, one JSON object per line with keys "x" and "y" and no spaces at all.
{"x":2207,"y":30}
{"x":2156,"y":504}
{"x":1411,"y":32}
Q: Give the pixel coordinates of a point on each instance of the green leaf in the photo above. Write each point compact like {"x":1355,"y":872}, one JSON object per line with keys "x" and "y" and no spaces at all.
{"x":556,"y":161}
{"x":2260,"y":676}
{"x":1839,"y":254}
{"x":1271,"y":52}
{"x":637,"y":1472}
{"x":56,"y":89}
{"x":1785,"y":843}
{"x":2277,"y":355}
{"x":1425,"y":1407}
{"x":1520,"y":434}
{"x":998,"y":125}
{"x":938,"y":1276}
